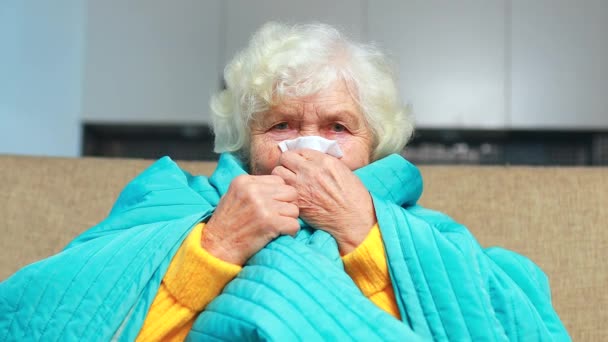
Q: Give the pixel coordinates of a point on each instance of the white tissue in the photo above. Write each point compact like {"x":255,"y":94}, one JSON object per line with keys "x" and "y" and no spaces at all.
{"x":312,"y":142}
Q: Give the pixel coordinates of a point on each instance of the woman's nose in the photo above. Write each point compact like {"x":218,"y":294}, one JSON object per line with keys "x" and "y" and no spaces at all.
{"x":310,"y":131}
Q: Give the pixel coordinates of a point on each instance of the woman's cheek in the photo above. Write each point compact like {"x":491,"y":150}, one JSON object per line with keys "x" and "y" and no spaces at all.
{"x":356,"y":154}
{"x":265,"y":158}
{"x":281,"y":135}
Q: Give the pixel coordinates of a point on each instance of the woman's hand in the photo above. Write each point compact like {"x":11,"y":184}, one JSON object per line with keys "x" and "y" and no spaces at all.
{"x":255,"y":210}
{"x":330,"y":196}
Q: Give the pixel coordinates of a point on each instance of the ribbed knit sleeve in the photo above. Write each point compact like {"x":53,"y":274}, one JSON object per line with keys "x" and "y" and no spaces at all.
{"x":367,"y":266}
{"x":194,"y":278}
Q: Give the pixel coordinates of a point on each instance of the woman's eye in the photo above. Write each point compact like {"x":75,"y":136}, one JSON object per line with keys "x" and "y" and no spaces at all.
{"x":338,"y":128}
{"x":281,"y":126}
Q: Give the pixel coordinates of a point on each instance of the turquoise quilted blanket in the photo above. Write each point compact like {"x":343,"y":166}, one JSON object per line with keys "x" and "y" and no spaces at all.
{"x":447,"y":287}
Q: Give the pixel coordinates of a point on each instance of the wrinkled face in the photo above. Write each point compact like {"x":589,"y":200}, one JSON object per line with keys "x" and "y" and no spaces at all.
{"x":331,"y":113}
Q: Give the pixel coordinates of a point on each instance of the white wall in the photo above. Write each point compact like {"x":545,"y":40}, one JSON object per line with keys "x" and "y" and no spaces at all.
{"x":450,"y":57}
{"x":465,"y":64}
{"x":243,"y":17}
{"x":152,"y":61}
{"x":159,"y":61}
{"x":489,"y":64}
{"x":40,"y":76}
{"x":559,"y":64}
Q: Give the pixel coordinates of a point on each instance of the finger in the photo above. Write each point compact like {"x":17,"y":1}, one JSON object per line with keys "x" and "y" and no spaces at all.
{"x":286,"y":174}
{"x":247,"y":180}
{"x":284,"y":193}
{"x":288,"y":210}
{"x":268,"y":179}
{"x":292,"y":160}
{"x":311,"y":155}
{"x":306,"y":157}
{"x":288,"y":226}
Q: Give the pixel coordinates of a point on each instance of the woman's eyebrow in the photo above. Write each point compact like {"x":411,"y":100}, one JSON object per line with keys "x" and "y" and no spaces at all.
{"x":278,"y":115}
{"x":342,"y":115}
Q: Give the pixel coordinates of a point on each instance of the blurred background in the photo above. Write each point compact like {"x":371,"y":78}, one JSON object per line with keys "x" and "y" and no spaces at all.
{"x":488,"y":81}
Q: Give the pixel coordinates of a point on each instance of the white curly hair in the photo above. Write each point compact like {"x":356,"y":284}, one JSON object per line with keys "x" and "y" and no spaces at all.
{"x":298,"y":60}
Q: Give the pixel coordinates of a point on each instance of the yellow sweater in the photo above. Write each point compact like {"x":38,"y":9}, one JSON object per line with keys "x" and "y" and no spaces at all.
{"x":195,"y":278}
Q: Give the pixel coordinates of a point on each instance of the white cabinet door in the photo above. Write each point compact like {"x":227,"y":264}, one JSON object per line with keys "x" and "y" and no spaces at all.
{"x":244,"y":17}
{"x":560,"y":64}
{"x":151,"y":61}
{"x":450,"y":57}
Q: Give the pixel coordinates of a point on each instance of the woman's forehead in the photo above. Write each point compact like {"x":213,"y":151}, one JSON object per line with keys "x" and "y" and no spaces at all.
{"x":309,"y":110}
{"x":329,"y":101}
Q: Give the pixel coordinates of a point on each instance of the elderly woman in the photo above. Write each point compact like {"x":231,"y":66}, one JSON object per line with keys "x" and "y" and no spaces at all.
{"x":308,"y":229}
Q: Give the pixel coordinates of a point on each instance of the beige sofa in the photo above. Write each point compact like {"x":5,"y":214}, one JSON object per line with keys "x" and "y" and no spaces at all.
{"x":556,"y":216}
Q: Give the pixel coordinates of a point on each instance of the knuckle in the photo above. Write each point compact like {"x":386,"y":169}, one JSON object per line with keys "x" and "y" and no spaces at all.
{"x":240,"y":181}
{"x":279,"y":170}
{"x":272,"y":231}
{"x":248,"y":195}
{"x":264,"y":215}
{"x":296,"y":213}
{"x":256,"y":202}
{"x":294,"y":196}
{"x":276,"y":178}
{"x":287,"y":210}
{"x":293,"y":227}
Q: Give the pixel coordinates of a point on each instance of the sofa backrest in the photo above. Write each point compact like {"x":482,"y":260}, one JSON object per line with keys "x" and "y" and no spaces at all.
{"x":558,"y":217}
